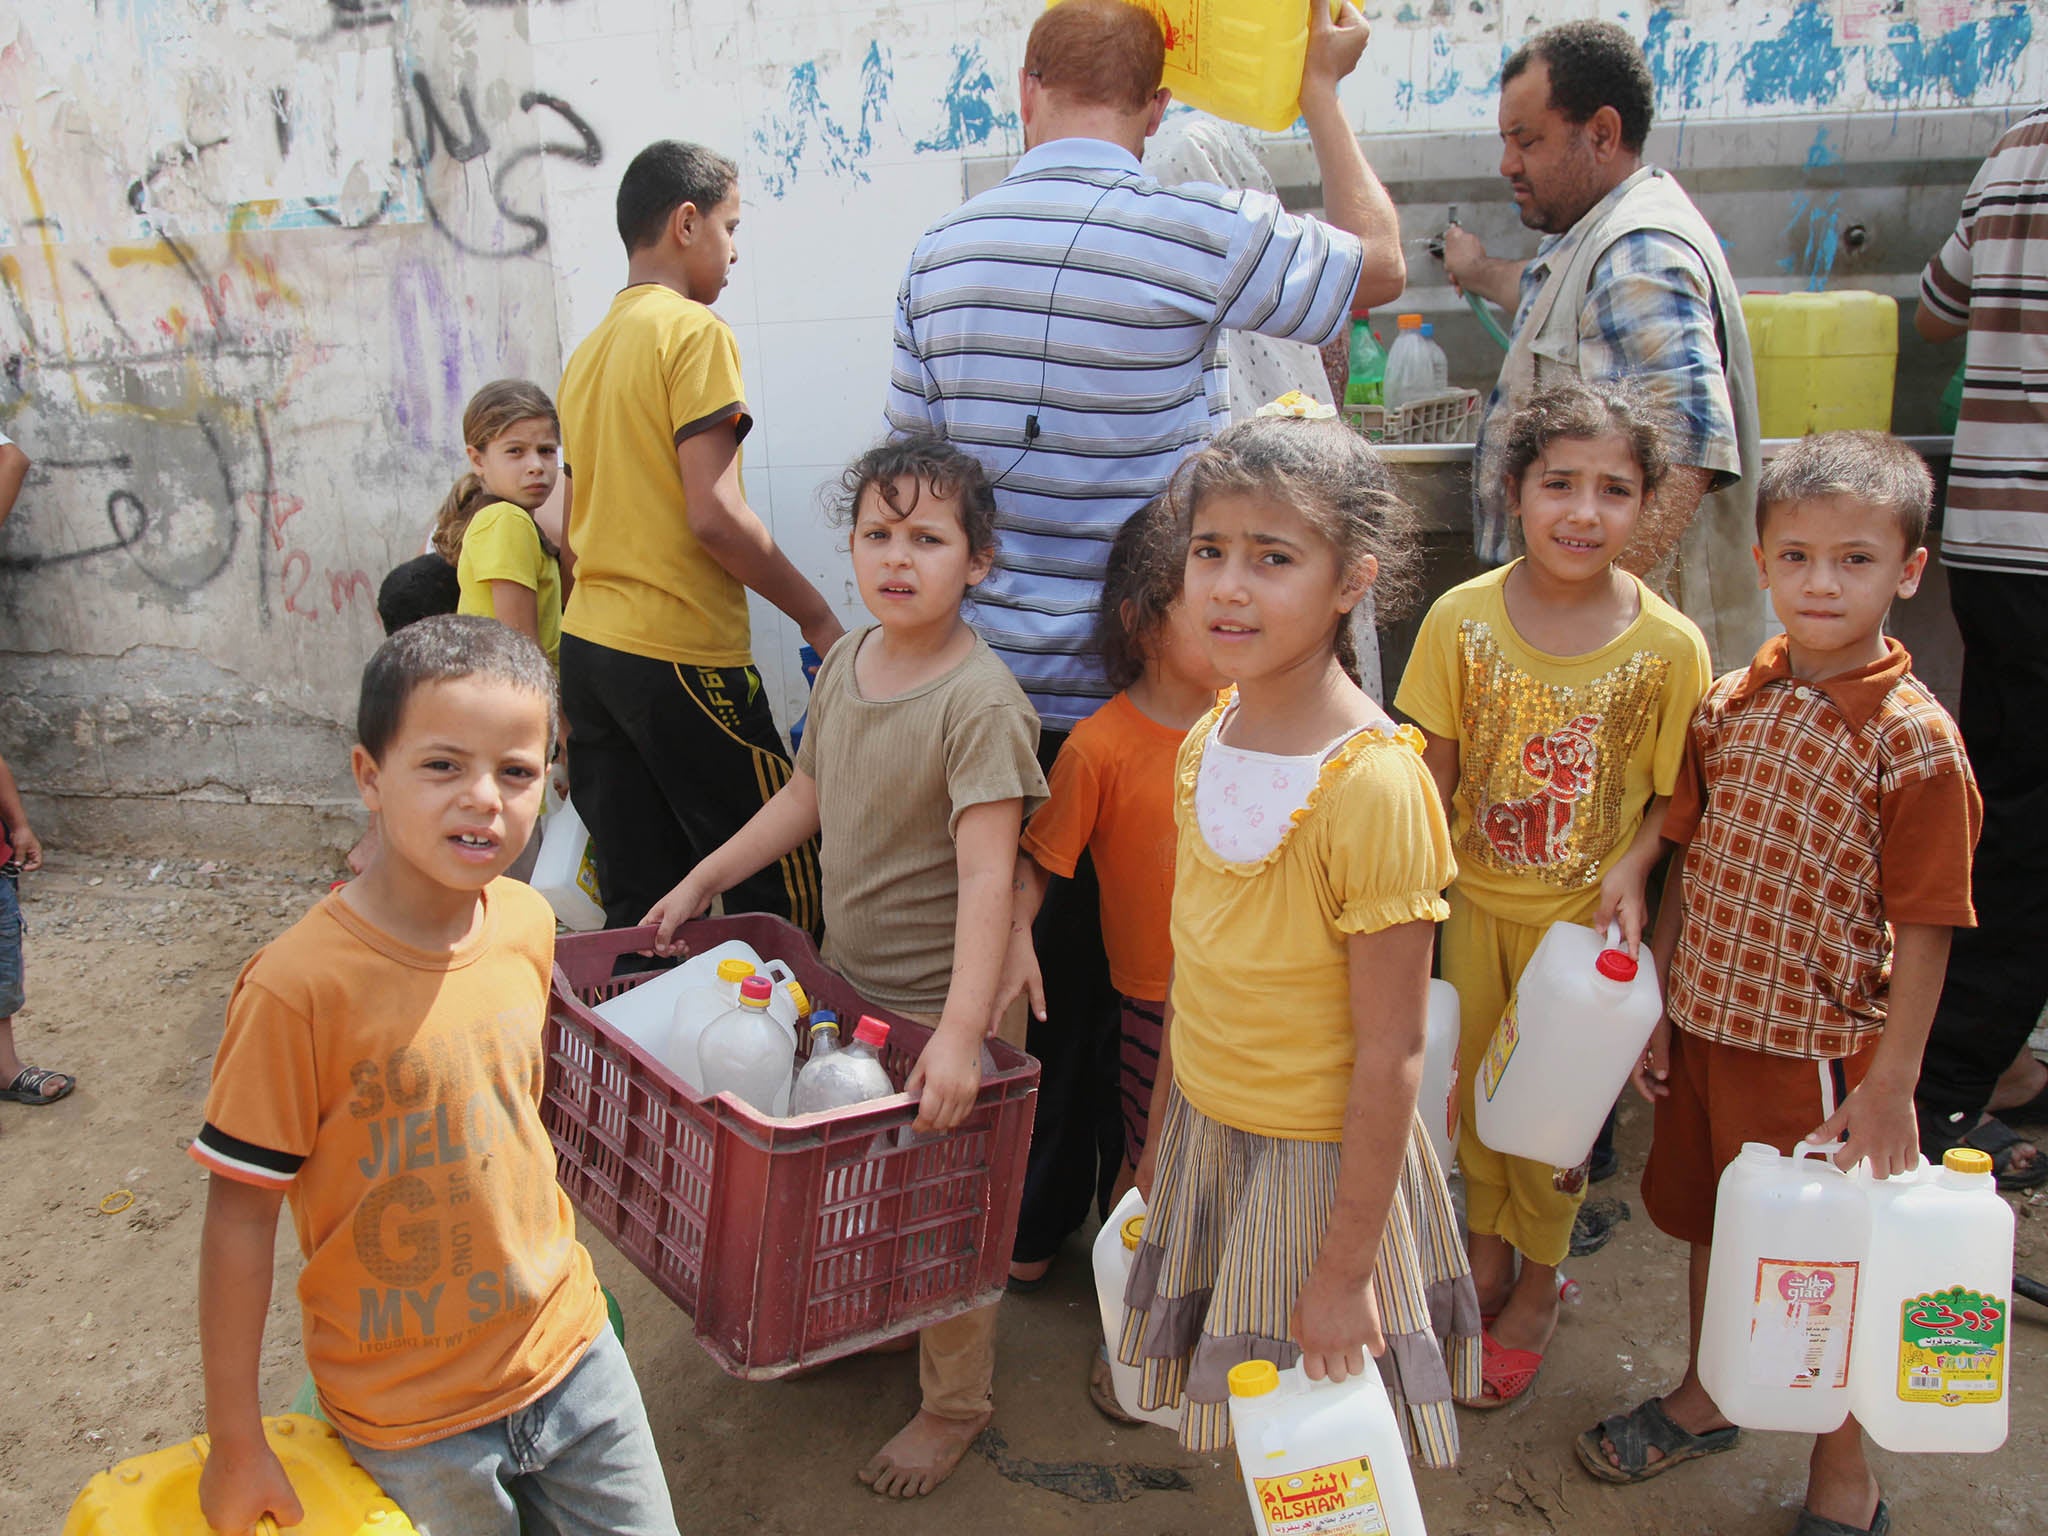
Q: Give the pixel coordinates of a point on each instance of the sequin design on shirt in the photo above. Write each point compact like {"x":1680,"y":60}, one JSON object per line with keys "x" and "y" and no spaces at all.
{"x":1530,"y":774}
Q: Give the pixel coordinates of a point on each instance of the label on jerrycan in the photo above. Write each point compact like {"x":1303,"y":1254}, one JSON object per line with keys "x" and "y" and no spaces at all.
{"x":1800,"y":1329}
{"x":1952,"y":1348}
{"x":1340,"y":1499}
{"x":1500,"y":1050}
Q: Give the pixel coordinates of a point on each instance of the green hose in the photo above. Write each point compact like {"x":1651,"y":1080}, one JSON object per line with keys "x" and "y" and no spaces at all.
{"x":1485,"y":318}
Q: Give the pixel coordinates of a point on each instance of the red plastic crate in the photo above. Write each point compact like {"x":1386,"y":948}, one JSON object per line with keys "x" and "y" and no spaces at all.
{"x":789,"y":1242}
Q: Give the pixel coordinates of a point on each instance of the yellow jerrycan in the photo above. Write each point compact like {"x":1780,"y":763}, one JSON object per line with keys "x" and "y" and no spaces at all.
{"x":1824,"y":361}
{"x":1238,"y":59}
{"x":158,"y":1494}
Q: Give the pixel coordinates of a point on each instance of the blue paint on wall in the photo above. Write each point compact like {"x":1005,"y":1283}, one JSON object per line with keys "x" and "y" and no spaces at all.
{"x":1444,"y":77}
{"x":969,"y":104}
{"x":1801,"y":66}
{"x":1959,"y":63}
{"x":804,"y":133}
{"x":1683,"y":70}
{"x":1815,"y":224}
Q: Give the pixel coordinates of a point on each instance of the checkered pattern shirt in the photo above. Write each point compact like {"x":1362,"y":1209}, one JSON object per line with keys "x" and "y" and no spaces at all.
{"x":1648,"y":315}
{"x":1812,"y":816}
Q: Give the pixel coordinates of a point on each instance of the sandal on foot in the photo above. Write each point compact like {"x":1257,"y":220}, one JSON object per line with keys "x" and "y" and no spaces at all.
{"x":1810,"y":1524}
{"x":1504,"y":1373}
{"x":1635,"y":1434}
{"x":29,"y":1082}
{"x":1989,"y":1135}
{"x":1102,"y":1389}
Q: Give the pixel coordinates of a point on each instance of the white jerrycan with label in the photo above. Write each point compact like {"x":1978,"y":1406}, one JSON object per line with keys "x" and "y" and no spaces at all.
{"x":1573,"y":1031}
{"x":565,"y":872}
{"x":1791,"y":1241}
{"x":1932,"y":1366}
{"x":1321,"y":1459}
{"x":1437,"y":1099}
{"x":1116,"y":1249}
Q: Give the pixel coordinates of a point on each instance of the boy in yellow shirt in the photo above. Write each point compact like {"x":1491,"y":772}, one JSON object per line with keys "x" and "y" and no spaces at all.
{"x":671,"y":745}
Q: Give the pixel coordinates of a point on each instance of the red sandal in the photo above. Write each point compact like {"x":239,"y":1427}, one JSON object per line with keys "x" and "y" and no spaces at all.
{"x":1504,"y":1375}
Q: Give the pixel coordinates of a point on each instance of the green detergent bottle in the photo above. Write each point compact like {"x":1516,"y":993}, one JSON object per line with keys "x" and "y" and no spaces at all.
{"x":1367,"y":380}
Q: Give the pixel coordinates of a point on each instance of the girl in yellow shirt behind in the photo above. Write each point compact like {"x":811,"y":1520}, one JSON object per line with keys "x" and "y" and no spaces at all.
{"x":507,"y":569}
{"x":1295,"y":1209}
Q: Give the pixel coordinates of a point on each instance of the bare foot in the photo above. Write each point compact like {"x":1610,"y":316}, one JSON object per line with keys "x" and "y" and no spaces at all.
{"x":922,"y":1455}
{"x":2019,"y":1084}
{"x":1493,"y":1271}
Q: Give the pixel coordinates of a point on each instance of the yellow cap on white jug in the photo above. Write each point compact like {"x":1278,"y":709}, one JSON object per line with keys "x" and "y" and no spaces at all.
{"x":735,"y":970}
{"x":799,"y":996}
{"x":1255,"y":1378}
{"x":1132,"y":1230}
{"x":1966,"y":1160}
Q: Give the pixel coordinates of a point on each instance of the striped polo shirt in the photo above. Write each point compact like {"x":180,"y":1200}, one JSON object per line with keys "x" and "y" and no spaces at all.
{"x":1062,"y":327}
{"x":1992,"y":275}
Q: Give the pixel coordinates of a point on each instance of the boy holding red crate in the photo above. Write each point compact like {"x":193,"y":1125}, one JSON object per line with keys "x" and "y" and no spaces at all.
{"x":381,"y":1072}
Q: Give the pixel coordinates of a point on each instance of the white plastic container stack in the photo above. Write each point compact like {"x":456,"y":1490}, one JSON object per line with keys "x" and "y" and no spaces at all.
{"x":1437,"y":1100}
{"x":566,"y":870}
{"x":1791,"y":1245}
{"x":645,"y":1014}
{"x":1321,"y":1459}
{"x":1931,"y":1368}
{"x":747,"y":1053}
{"x":1572,"y":1033}
{"x":1116,"y":1247}
{"x":695,"y":1008}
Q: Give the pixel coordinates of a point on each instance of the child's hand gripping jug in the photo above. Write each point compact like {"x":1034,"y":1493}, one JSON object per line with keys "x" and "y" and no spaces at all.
{"x":1933,"y":1310}
{"x":1791,"y":1244}
{"x":1321,"y":1459}
{"x":158,"y":1494}
{"x":1116,"y":1248}
{"x":1573,"y":1031}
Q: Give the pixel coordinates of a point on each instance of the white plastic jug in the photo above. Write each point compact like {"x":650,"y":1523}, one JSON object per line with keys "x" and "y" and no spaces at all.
{"x":695,"y":1008}
{"x":1932,"y":1362}
{"x":1437,"y":1100}
{"x":746,"y":1052}
{"x":1321,"y":1459}
{"x":1116,"y":1248}
{"x":645,"y":1014}
{"x":1791,"y":1241}
{"x":1572,"y":1033}
{"x":566,"y":870}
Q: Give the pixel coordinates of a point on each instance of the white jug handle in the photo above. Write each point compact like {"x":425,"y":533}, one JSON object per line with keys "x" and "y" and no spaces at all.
{"x":1611,"y":937}
{"x":778,"y":971}
{"x":1826,"y":1149}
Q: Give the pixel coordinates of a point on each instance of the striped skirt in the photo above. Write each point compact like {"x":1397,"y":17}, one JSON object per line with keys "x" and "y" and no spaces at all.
{"x":1234,"y":1227}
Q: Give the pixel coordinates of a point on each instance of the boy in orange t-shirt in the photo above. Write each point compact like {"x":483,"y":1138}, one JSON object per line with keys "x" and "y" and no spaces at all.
{"x":381,"y":1071}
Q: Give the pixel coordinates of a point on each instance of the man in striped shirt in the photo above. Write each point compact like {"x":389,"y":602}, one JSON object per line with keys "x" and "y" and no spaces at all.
{"x":1063,"y":326}
{"x":1990,"y":282}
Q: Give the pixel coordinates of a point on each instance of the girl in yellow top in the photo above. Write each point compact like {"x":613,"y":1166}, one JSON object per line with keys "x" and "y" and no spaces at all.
{"x":1296,"y":1211}
{"x":1554,"y":695}
{"x":506,"y":567}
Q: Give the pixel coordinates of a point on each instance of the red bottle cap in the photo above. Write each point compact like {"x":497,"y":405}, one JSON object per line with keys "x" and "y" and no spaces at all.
{"x":756,"y":989}
{"x":1615,"y":965}
{"x":871,"y":1031}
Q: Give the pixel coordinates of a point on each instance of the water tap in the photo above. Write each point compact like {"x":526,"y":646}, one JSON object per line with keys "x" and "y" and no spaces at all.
{"x":1436,"y":242}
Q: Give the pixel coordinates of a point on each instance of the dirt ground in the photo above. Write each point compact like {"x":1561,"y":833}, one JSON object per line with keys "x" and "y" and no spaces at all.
{"x":129,"y":965}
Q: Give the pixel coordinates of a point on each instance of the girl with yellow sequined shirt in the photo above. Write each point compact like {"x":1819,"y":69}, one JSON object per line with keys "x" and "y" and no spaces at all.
{"x":1295,"y":1209}
{"x":1554,"y":696}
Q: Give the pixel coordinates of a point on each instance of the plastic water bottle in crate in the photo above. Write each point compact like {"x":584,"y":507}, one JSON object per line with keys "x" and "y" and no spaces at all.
{"x":792,"y":1241}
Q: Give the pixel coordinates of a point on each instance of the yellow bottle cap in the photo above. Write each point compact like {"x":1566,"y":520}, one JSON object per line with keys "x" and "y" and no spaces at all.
{"x":1966,"y":1160}
{"x":799,"y":996}
{"x":1133,"y":1230}
{"x":734,"y":970}
{"x":1255,"y":1378}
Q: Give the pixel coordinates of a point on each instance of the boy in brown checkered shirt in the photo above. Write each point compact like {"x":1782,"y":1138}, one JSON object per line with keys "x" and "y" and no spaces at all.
{"x":1825,"y":818}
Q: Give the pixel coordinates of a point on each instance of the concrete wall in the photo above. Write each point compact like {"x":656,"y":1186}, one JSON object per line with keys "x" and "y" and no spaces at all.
{"x":255,"y":258}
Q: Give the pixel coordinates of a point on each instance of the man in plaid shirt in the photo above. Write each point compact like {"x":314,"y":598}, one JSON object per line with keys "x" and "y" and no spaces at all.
{"x":1628,"y":281}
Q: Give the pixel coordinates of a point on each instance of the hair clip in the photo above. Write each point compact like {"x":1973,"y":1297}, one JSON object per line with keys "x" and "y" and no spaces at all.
{"x":1300,"y":406}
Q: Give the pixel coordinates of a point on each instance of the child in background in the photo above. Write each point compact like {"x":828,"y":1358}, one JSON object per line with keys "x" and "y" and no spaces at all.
{"x":20,"y":854}
{"x":1553,"y":694}
{"x":418,"y":589}
{"x":1803,"y":1021}
{"x":1111,"y":793}
{"x":505,"y":566}
{"x":918,"y":766}
{"x":1295,"y":1208}
{"x":462,"y":1350}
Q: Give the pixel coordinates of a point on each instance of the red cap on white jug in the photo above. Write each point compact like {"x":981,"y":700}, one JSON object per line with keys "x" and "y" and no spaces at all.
{"x":755,"y":989}
{"x":871,"y":1031}
{"x":1615,"y":965}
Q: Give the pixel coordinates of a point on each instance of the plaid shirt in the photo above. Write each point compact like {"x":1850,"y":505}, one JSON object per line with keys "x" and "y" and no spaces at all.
{"x":1648,"y":315}
{"x":1811,"y":817}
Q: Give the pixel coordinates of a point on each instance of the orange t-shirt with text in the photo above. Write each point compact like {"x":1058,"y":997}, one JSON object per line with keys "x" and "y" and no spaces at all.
{"x":1111,"y":793}
{"x":394,"y":1096}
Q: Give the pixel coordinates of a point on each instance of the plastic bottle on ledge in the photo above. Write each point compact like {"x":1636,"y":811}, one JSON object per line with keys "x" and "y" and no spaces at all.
{"x":1366,"y":383}
{"x":1409,"y":373}
{"x":1439,"y":365}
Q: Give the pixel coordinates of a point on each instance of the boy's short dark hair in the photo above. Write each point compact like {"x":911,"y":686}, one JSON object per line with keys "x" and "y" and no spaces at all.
{"x":442,"y":649}
{"x":1874,"y":468}
{"x":1593,"y":64}
{"x":665,"y":175}
{"x":422,"y":587}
